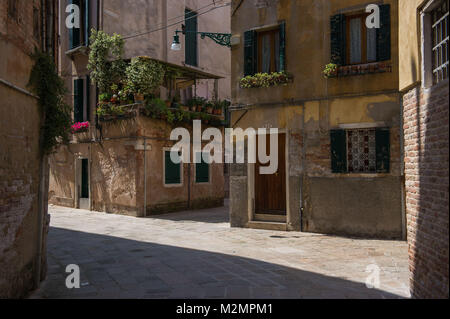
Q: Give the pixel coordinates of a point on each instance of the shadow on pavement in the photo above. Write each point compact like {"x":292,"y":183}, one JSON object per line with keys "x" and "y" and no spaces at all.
{"x":120,"y":268}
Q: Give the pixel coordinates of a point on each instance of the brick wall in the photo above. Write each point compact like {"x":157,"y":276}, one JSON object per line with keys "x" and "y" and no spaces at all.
{"x":426,"y":129}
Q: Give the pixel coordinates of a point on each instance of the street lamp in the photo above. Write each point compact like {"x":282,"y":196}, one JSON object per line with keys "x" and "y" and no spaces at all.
{"x":176,"y":46}
{"x":223,"y":39}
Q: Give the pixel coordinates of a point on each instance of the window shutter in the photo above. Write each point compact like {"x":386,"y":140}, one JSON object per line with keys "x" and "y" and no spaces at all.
{"x":338,"y":151}
{"x":201,"y":171}
{"x":283,"y":46}
{"x":78,"y":98}
{"x":191,"y":38}
{"x":88,"y":98}
{"x":74,"y":33}
{"x":250,"y":53}
{"x":384,"y":34}
{"x":383,"y":150}
{"x":172,"y":170}
{"x":337,"y":36}
{"x":87,"y":23}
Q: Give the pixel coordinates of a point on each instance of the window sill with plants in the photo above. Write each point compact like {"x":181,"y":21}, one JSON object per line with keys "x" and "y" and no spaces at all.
{"x":265,"y":80}
{"x":335,"y":71}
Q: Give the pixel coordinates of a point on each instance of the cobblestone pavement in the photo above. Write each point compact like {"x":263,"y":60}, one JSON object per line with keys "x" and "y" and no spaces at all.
{"x":197,"y":255}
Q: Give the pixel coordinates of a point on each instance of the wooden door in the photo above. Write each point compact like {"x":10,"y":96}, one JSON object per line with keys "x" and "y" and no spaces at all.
{"x":270,"y":190}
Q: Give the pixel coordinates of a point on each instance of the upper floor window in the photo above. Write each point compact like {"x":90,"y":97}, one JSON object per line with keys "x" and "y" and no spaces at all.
{"x":361,"y":46}
{"x":12,"y":9}
{"x":36,"y":24}
{"x":353,"y":43}
{"x":264,"y":51}
{"x":80,"y":36}
{"x":439,"y":26}
{"x":191,"y":54}
{"x":269,"y":51}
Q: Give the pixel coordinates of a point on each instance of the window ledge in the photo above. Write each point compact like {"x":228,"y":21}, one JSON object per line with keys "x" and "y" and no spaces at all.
{"x":363,"y":69}
{"x":80,"y":50}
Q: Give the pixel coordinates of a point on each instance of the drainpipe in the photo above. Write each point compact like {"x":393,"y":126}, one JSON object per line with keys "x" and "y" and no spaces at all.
{"x":145,"y":177}
{"x":302,"y":208}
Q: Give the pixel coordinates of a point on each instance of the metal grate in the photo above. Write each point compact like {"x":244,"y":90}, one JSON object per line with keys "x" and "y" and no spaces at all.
{"x":361,"y":151}
{"x":439,"y":17}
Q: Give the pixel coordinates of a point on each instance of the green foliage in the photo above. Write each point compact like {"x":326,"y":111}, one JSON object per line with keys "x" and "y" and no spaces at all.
{"x":49,"y":87}
{"x":264,"y":80}
{"x":144,"y":75}
{"x":105,"y":60}
{"x":330,"y":70}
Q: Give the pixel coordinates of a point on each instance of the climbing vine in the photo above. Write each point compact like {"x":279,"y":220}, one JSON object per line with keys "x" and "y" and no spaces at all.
{"x":49,"y":87}
{"x":105,"y":60}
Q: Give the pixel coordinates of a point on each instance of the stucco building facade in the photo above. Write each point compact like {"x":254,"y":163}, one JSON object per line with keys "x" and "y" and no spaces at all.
{"x":424,"y":63}
{"x":24,"y":27}
{"x":340,"y":168}
{"x":120,"y":166}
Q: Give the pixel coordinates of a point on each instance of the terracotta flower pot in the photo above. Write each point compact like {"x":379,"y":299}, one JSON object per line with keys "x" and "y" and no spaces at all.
{"x":138,"y":97}
{"x":199,"y":108}
{"x":209,"y":110}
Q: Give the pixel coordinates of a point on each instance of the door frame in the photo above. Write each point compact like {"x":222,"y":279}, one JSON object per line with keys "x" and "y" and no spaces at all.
{"x":251,"y":181}
{"x":78,"y":182}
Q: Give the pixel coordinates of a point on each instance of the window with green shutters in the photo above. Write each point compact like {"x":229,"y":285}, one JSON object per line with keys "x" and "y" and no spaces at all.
{"x":81,"y":99}
{"x":191,"y":54}
{"x":360,"y":151}
{"x":202,"y":169}
{"x":80,"y":36}
{"x":352,"y":42}
{"x":265,"y":51}
{"x":78,"y":100}
{"x":172,"y":171}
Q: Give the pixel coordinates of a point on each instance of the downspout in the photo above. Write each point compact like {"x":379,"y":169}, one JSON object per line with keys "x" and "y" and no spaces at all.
{"x":302,"y":175}
{"x":145,"y":177}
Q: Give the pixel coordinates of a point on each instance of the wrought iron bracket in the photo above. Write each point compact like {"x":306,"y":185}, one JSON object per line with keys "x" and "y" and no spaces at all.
{"x":223,"y":39}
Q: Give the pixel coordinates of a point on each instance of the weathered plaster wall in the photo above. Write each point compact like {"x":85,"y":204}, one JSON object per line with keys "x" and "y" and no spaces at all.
{"x":117,"y":172}
{"x":19,"y":157}
{"x":331,"y":202}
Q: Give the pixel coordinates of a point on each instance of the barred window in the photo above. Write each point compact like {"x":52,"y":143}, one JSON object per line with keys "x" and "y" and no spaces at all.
{"x":361,"y":151}
{"x":440,"y":36}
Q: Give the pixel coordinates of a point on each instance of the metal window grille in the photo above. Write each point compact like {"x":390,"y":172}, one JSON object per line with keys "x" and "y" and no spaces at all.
{"x":439,"y":18}
{"x":361,"y":151}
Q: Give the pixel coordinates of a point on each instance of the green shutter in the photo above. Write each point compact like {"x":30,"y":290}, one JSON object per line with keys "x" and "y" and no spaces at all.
{"x":338,"y":34}
{"x":78,"y":99}
{"x":74,"y":33}
{"x":85,"y":178}
{"x":88,"y":98}
{"x":87,"y":24}
{"x":383,"y":150}
{"x":338,"y":151}
{"x":191,"y":38}
{"x":250,"y":52}
{"x":384,"y":34}
{"x":172,"y":171}
{"x":283,"y":46}
{"x":201,"y":171}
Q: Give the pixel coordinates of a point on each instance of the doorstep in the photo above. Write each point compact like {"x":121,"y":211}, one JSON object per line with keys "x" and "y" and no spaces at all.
{"x":267,"y":225}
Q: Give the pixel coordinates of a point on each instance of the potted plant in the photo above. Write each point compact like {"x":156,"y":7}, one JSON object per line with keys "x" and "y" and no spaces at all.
{"x":144,"y":75}
{"x":218,"y":107}
{"x":330,"y":70}
{"x":209,"y":106}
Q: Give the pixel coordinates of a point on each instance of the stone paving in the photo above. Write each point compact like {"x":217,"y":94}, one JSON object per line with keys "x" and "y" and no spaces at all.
{"x":197,"y":255}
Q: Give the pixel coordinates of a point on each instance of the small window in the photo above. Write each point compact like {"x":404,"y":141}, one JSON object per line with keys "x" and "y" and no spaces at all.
{"x":36,"y":24}
{"x":12,"y":9}
{"x":172,"y":171}
{"x":363,"y":151}
{"x":362,"y":42}
{"x":269,"y":51}
{"x":440,"y":36}
{"x":202,"y":168}
{"x":80,"y":36}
